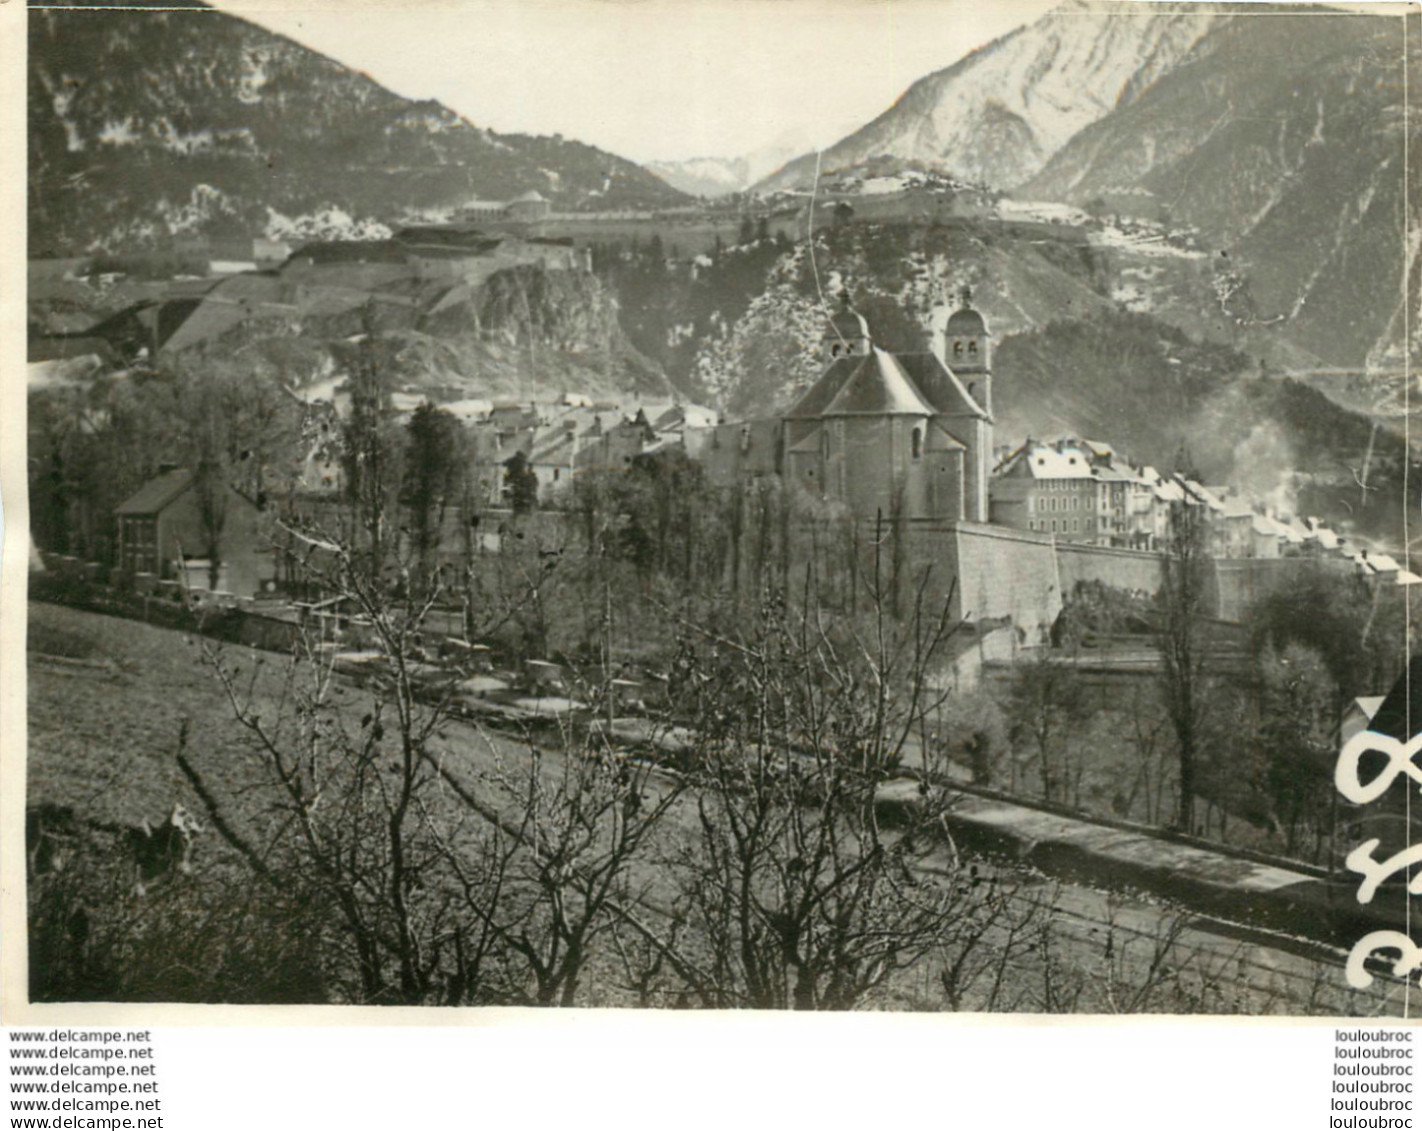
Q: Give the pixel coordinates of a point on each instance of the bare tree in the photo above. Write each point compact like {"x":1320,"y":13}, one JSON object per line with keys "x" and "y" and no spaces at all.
{"x":1183,"y":650}
{"x":443,"y":884}
{"x":351,"y":783}
{"x":1146,"y":733}
{"x":792,"y":891}
{"x":371,"y":446}
{"x":585,"y":828}
{"x":1045,"y":708}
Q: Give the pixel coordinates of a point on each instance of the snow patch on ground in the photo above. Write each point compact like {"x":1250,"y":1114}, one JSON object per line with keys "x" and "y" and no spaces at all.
{"x":1042,"y":212}
{"x":417,"y":216}
{"x":329,"y":223}
{"x":1156,"y":244}
{"x":882,"y":186}
{"x":254,"y":76}
{"x":203,"y":203}
{"x":1132,"y":298}
{"x":170,"y":138}
{"x":118,"y":133}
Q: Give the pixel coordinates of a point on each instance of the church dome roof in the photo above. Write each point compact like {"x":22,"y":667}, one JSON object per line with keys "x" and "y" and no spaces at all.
{"x":878,"y":387}
{"x":965,"y":323}
{"x":849,"y":324}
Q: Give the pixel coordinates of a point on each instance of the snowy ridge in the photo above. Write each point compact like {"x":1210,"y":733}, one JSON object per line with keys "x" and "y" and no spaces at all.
{"x":704,"y":176}
{"x":998,"y":115}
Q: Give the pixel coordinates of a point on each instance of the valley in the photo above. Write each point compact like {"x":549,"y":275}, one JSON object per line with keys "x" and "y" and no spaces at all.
{"x":669,"y":563}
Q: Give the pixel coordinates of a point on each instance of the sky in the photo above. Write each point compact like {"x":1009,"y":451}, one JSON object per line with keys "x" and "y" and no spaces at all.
{"x":651,"y":79}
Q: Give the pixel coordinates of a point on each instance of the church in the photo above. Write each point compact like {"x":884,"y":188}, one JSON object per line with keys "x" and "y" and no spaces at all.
{"x":907,"y":434}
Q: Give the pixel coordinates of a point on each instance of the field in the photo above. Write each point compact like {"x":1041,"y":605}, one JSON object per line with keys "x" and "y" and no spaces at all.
{"x":108,"y":699}
{"x":103,"y":734}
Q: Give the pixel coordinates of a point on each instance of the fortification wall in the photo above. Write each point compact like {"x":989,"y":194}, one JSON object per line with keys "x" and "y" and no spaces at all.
{"x":1004,"y":572}
{"x":993,"y":572}
{"x":1132,"y":570}
{"x":1236,"y":583}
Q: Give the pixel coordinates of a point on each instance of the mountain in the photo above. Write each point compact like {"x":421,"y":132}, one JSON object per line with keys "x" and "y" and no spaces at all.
{"x":150,"y":124}
{"x":704,"y":176}
{"x":1273,"y":136}
{"x":999,"y":114}
{"x":1068,"y":361}
{"x":753,"y":356}
{"x":720,"y":176}
{"x":1280,"y":137}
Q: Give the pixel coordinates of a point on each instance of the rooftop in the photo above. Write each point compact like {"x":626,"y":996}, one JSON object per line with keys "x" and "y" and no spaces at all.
{"x":878,"y":387}
{"x":157,"y":493}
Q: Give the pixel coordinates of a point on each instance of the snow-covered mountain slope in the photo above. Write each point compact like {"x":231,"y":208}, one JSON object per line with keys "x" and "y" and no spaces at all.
{"x":1281,"y":139}
{"x":998,"y":115}
{"x":704,"y":176}
{"x":719,"y":176}
{"x":146,"y":124}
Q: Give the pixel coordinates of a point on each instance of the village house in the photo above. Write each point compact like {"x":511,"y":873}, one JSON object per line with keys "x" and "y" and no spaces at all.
{"x":1055,"y":489}
{"x":162,"y":537}
{"x":585,"y":440}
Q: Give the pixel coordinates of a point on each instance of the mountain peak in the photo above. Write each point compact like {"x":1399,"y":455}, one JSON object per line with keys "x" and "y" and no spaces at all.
{"x":999,"y":114}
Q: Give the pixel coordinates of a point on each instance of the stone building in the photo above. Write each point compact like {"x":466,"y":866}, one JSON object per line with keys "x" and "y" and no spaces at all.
{"x":163,"y":537}
{"x":905,"y":434}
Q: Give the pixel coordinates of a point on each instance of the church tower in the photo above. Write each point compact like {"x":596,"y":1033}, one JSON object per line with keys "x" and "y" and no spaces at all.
{"x":967,"y":350}
{"x":848,"y":332}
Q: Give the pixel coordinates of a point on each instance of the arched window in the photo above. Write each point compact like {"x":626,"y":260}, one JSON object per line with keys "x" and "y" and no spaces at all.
{"x":916,"y":439}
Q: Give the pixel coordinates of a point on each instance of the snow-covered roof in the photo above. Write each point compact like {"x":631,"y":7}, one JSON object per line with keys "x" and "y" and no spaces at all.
{"x":1170,"y":491}
{"x":1326,"y":537}
{"x":474,"y":408}
{"x":1203,"y":494}
{"x":406,"y":402}
{"x":1048,"y":463}
{"x":1268,"y":527}
{"x":1237,"y":507}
